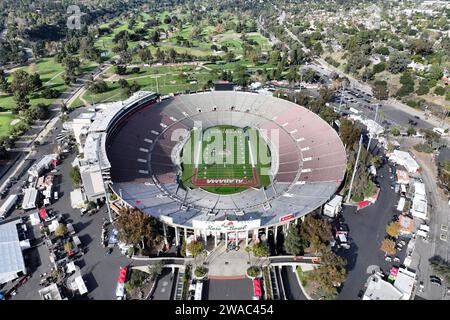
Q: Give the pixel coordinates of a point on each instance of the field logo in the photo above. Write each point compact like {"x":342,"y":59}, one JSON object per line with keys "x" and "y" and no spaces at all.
{"x":74,"y":20}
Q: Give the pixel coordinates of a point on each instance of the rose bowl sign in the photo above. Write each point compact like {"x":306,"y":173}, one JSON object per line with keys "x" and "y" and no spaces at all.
{"x":287,"y":217}
{"x":226,"y":225}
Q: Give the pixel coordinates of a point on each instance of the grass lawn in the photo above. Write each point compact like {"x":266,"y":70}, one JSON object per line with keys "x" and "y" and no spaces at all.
{"x":5,"y":122}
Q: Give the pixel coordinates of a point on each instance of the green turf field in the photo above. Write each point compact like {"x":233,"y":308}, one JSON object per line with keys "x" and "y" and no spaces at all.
{"x":225,"y":154}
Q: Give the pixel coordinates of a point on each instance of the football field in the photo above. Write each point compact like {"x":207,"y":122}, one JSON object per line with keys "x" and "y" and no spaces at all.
{"x":225,"y":159}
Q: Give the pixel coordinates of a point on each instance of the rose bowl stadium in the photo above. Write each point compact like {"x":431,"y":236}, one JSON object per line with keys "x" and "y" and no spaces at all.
{"x":225,"y":164}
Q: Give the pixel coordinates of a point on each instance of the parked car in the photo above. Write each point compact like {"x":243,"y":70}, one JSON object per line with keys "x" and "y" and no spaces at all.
{"x":436,"y":280}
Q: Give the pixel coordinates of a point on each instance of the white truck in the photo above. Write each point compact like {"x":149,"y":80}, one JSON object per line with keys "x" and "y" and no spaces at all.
{"x":333,"y":207}
{"x":7,"y":205}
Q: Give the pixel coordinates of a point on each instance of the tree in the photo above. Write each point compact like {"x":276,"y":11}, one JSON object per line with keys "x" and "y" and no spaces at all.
{"x":379,"y":67}
{"x":393,"y":229}
{"x":294,"y":243}
{"x":331,"y":272}
{"x":121,"y":69}
{"x":293,"y":76}
{"x":328,"y":115}
{"x":395,"y":131}
{"x":138,"y":228}
{"x":91,"y":205}
{"x":349,"y":132}
{"x":398,"y":61}
{"x":160,"y":56}
{"x":61,"y":230}
{"x":72,"y":69}
{"x":440,"y":91}
{"x":356,"y":61}
{"x":75,"y":176}
{"x":260,"y":250}
{"x":146,"y":56}
{"x":37,"y":112}
{"x":435,"y":72}
{"x":388,"y":247}
{"x":68,"y":246}
{"x":411,"y":131}
{"x":20,"y":86}
{"x":4,"y":85}
{"x":195,"y":248}
{"x":309,"y":75}
{"x":155,"y":269}
{"x":316,"y":232}
{"x":380,"y":91}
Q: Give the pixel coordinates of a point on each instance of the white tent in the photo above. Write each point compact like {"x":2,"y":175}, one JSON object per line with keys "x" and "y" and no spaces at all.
{"x":53,"y":225}
{"x":34,"y":219}
{"x":80,"y":284}
{"x":77,"y":199}
{"x":71,"y":267}
{"x":25,"y":244}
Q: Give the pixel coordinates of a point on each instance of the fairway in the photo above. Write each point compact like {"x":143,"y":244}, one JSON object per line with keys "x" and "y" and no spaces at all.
{"x":225,"y":160}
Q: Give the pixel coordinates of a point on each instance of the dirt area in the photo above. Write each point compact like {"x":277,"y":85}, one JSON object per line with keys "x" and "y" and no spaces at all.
{"x":115,"y":77}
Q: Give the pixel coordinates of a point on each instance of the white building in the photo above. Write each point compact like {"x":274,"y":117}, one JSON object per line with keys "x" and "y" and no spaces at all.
{"x":77,"y":199}
{"x":92,"y":182}
{"x":405,"y":281}
{"x":419,"y":206}
{"x":379,"y":289}
{"x":80,"y":126}
{"x":401,"y":289}
{"x":404,"y":159}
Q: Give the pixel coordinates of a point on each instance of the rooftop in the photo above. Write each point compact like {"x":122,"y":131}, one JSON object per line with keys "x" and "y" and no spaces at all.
{"x":11,"y":257}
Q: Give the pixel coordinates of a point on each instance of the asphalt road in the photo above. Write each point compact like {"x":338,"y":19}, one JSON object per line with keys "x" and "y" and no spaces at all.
{"x":291,"y":286}
{"x":240,"y":289}
{"x":367,"y":230}
{"x":164,"y":285}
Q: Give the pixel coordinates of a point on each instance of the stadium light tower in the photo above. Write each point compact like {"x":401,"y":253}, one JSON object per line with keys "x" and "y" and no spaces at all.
{"x":354,"y":169}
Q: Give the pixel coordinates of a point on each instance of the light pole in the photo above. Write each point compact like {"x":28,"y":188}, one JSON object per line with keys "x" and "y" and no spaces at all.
{"x":342,"y":94}
{"x":376,"y":115}
{"x":354,"y":169}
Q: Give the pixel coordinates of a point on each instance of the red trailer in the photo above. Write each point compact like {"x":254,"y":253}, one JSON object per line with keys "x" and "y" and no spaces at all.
{"x":257,"y":292}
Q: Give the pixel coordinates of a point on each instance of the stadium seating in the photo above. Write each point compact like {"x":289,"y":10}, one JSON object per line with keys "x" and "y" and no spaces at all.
{"x":310,"y":158}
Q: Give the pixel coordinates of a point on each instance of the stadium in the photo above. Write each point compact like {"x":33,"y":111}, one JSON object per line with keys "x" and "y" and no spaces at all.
{"x":221,"y":165}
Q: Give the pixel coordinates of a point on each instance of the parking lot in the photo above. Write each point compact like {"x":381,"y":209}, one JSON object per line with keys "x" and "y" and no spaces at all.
{"x":367,"y":230}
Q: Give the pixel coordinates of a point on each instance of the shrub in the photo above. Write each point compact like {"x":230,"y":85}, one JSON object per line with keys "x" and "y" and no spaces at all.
{"x":440,"y":91}
{"x":395,"y":131}
{"x":422,"y":147}
{"x":137,"y":277}
{"x":260,"y":250}
{"x":61,"y":230}
{"x":380,"y":67}
{"x":49,"y":93}
{"x":200,"y":271}
{"x":253,"y":271}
